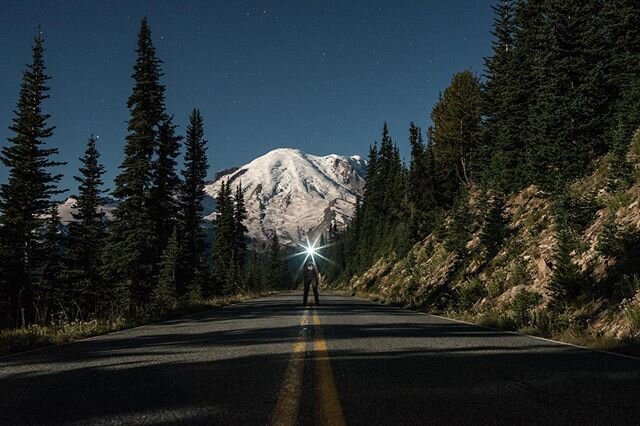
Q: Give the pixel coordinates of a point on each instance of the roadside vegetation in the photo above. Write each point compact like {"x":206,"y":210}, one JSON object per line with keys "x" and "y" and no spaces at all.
{"x":65,"y":330}
{"x":520,"y":206}
{"x":152,"y":257}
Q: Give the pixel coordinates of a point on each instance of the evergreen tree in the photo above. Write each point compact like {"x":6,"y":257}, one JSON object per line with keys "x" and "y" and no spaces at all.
{"x":391,"y":176}
{"x":494,"y":228}
{"x":420,"y":186}
{"x":351,"y":239}
{"x":502,"y":147}
{"x":132,"y":255}
{"x":566,"y":121}
{"x":620,"y":171}
{"x":618,"y":41}
{"x":456,"y":135}
{"x":458,"y":228}
{"x":222,"y":250}
{"x":612,"y":238}
{"x":194,"y":290}
{"x":232,"y":283}
{"x":49,"y":290}
{"x":369,"y":233}
{"x":165,"y":183}
{"x":256,"y":274}
{"x":564,"y":282}
{"x":193,"y":264}
{"x":87,"y":236}
{"x":382,"y":224}
{"x":522,"y":88}
{"x":276,"y":276}
{"x":164,"y":296}
{"x":26,"y":198}
{"x":240,"y":231}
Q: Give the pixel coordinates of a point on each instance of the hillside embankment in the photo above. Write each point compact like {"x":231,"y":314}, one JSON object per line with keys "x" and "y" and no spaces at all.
{"x":565,"y":267}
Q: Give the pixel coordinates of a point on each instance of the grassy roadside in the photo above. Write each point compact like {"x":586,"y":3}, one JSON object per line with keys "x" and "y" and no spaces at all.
{"x":37,"y":336}
{"x":573,"y":336}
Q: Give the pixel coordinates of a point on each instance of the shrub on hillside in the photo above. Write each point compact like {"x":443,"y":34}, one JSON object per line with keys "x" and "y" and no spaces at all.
{"x":575,"y":212}
{"x":470,"y":293}
{"x":522,"y":307}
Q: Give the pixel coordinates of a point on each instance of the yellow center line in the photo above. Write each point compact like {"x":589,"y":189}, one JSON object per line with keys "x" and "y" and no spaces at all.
{"x":286,"y":411}
{"x":328,"y":408}
{"x":329,"y":411}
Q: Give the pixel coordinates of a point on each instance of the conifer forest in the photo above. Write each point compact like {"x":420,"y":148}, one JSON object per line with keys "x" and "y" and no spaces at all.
{"x":518,"y":205}
{"x":154,"y":254}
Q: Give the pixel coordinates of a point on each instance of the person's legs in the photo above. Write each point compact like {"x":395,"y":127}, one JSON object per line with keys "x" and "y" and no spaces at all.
{"x":306,"y":292}
{"x":315,"y":292}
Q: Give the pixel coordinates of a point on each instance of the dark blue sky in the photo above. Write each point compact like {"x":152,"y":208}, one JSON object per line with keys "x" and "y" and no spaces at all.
{"x":321,"y":76}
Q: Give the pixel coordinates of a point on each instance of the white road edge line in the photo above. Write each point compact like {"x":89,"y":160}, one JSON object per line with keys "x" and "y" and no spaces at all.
{"x":515,"y":333}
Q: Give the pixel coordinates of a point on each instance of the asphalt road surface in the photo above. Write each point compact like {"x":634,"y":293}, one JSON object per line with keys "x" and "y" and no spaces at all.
{"x":347,"y":361}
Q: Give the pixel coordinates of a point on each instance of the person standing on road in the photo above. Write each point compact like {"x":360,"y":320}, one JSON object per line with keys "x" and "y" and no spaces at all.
{"x":310,"y":278}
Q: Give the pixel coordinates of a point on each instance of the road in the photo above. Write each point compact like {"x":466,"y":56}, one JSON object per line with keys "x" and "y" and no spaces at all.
{"x":347,"y":361}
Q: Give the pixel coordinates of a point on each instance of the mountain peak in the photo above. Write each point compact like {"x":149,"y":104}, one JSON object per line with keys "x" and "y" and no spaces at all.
{"x":294,"y":194}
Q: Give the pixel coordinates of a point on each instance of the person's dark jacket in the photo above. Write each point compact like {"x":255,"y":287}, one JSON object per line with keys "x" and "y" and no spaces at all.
{"x":309,"y":275}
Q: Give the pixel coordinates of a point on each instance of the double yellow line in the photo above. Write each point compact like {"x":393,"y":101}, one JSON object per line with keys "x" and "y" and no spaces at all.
{"x":328,"y":408}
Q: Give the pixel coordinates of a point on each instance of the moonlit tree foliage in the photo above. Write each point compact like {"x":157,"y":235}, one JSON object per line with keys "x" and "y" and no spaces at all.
{"x":27,"y":198}
{"x":193,"y":266}
{"x":560,"y":91}
{"x":134,"y":240}
{"x":151,"y":254}
{"x":85,"y":292}
{"x":559,"y":94}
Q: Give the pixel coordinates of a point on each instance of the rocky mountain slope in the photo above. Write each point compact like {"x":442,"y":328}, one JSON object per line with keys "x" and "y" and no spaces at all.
{"x":294,"y":194}
{"x":286,"y":191}
{"x":512,"y":288}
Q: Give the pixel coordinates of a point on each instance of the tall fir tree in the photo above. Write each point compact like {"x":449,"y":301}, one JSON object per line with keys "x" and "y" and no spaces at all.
{"x":193,"y":264}
{"x":49,"y":289}
{"x":133,"y":252}
{"x":620,"y":170}
{"x":456,"y":136}
{"x":164,"y":295}
{"x":502,"y":149}
{"x":566,"y":117}
{"x":276,"y":276}
{"x":565,"y":279}
{"x":239,"y":230}
{"x":351,"y":238}
{"x":163,"y":202}
{"x":420,"y":186}
{"x":369,"y":230}
{"x":87,"y":236}
{"x":494,"y":226}
{"x":618,"y":41}
{"x":256,"y":275}
{"x":26,"y":197}
{"x":523,"y":85}
{"x":223,"y":246}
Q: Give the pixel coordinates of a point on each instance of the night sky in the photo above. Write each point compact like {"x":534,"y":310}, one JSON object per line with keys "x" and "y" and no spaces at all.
{"x":321,"y":76}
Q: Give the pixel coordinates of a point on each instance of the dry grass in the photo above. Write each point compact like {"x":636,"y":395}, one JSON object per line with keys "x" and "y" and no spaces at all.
{"x":36,"y":336}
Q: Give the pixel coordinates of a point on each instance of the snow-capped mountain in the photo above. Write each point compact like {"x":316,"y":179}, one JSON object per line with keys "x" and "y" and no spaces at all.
{"x":286,"y":191}
{"x":295,"y":194}
{"x":66,"y":209}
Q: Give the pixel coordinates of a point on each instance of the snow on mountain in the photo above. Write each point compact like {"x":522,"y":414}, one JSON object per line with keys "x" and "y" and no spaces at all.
{"x":286,"y":191}
{"x":295,"y":194}
{"x":66,"y":209}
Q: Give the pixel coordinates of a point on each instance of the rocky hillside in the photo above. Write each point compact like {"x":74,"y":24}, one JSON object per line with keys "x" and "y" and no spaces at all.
{"x":513,"y":285}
